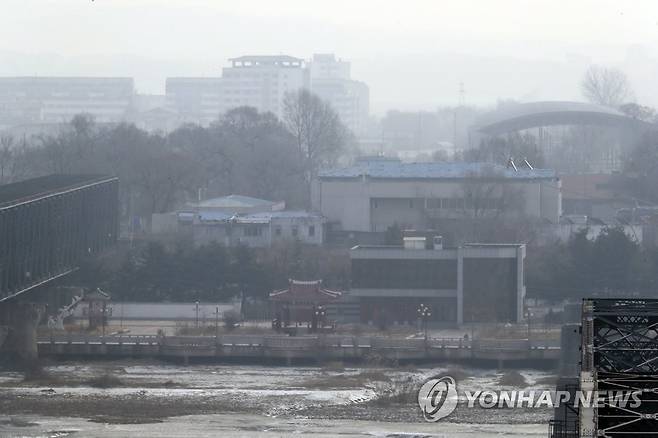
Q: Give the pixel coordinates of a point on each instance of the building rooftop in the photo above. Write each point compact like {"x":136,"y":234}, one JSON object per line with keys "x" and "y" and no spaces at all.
{"x":465,"y":245}
{"x":547,"y":113}
{"x":305,"y":291}
{"x":235,"y":201}
{"x":395,"y":169}
{"x":15,"y":193}
{"x":261,"y":217}
{"x":250,"y":60}
{"x":287,"y":214}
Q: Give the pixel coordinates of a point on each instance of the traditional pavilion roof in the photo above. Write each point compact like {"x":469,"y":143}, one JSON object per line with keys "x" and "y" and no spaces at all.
{"x":96,"y":295}
{"x":305,"y":291}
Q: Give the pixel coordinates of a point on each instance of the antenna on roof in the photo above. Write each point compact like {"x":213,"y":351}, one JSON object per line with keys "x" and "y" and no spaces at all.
{"x":510,"y":163}
{"x":525,"y":161}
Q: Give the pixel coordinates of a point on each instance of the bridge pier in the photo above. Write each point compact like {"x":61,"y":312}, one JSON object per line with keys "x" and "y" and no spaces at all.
{"x":21,"y":320}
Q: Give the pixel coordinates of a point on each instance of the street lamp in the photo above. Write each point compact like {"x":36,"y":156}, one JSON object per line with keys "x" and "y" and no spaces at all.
{"x":197,"y":313}
{"x":320,"y":312}
{"x":216,"y":321}
{"x":424,"y":312}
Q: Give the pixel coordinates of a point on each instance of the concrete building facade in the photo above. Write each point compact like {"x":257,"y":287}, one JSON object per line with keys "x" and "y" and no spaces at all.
{"x":330,"y":78}
{"x":194,"y":100}
{"x":377,"y":193}
{"x":241,"y":220}
{"x":257,"y":230}
{"x":261,"y":82}
{"x":470,"y":283}
{"x":36,"y":100}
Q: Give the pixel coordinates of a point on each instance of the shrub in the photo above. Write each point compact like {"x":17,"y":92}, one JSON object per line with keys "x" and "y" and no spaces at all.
{"x":513,"y":378}
{"x":104,"y":381}
{"x":231,"y":320}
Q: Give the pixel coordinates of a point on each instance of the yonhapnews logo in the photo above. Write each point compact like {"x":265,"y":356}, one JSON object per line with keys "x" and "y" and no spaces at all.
{"x":438,"y":398}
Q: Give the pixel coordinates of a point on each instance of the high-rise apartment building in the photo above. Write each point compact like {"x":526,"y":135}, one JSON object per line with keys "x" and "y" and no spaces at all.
{"x":261,"y":82}
{"x":33,"y":100}
{"x":331,"y":80}
{"x":195,"y":100}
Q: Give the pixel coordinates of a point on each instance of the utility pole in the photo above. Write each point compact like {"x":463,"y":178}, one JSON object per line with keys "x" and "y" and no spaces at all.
{"x":197,"y":313}
{"x":216,"y":321}
{"x":460,"y":104}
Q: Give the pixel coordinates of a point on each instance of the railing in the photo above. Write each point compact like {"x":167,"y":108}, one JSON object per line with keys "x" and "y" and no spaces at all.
{"x":75,"y":338}
{"x":455,"y":343}
{"x":563,"y":429}
{"x":306,"y":342}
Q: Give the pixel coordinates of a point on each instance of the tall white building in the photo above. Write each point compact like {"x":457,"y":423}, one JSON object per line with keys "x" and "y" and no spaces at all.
{"x":261,"y":82}
{"x":36,"y":100}
{"x":331,"y":80}
{"x":195,"y":100}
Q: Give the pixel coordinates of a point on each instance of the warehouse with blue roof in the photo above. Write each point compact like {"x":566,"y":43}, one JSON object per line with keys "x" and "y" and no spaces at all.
{"x":376,"y":193}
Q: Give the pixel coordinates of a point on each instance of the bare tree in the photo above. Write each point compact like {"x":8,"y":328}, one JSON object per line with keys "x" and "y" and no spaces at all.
{"x":486,"y":194}
{"x":606,"y":86}
{"x":6,"y":157}
{"x":318,"y":131}
{"x":639,"y":112}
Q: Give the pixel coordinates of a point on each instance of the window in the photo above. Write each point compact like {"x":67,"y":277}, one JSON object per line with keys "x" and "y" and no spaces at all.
{"x":295,"y":231}
{"x":311,"y":230}
{"x":277,"y":231}
{"x":411,"y":203}
{"x":252,"y":231}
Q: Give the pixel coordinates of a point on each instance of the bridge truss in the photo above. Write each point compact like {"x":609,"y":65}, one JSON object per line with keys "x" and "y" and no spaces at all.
{"x":48,"y":226}
{"x":620,"y":353}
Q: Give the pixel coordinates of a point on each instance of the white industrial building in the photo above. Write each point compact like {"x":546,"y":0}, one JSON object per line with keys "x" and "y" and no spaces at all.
{"x":258,"y":229}
{"x":377,"y":193}
{"x":241,"y":220}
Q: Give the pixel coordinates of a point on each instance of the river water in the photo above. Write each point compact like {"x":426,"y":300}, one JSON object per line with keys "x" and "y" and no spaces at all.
{"x":246,"y":401}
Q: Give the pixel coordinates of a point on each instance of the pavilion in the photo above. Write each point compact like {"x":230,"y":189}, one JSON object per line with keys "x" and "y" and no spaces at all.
{"x":303,"y":302}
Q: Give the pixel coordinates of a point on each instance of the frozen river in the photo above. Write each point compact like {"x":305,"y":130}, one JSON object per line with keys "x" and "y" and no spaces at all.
{"x":162,"y":400}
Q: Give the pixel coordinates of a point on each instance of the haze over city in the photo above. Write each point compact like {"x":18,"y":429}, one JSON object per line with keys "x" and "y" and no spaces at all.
{"x":328,"y":218}
{"x":413,"y":55}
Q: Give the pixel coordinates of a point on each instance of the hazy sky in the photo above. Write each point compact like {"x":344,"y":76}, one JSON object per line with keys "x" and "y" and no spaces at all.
{"x":413,"y":54}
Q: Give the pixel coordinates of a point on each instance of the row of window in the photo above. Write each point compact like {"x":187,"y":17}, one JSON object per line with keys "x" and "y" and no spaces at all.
{"x":235,"y":74}
{"x":404,"y":274}
{"x":460,"y":203}
{"x":256,"y":231}
{"x":250,"y":91}
{"x":451,"y":203}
